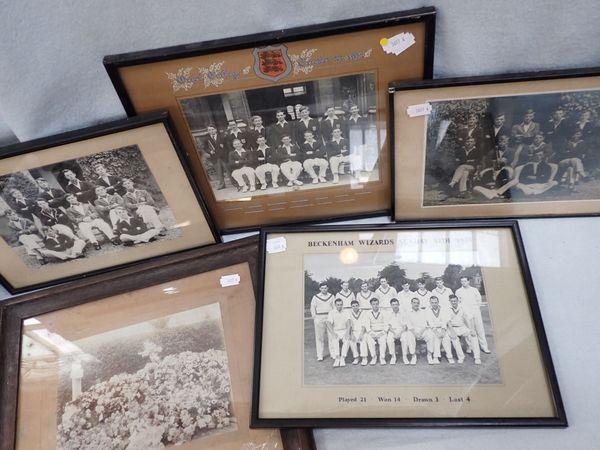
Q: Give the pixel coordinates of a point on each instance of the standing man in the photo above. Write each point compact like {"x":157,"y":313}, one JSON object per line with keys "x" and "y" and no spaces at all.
{"x":417,"y":328}
{"x":346,"y":296}
{"x":111,"y":183}
{"x":364,"y":296}
{"x":320,"y":306}
{"x":266,"y":162}
{"x":442,"y":292}
{"x":86,"y":218}
{"x":240,"y":161}
{"x":395,"y":321}
{"x":83,"y":190}
{"x":315,"y":155}
{"x":422,"y":294}
{"x":385,"y":293}
{"x":355,"y":131}
{"x":405,"y":297}
{"x":233,"y":132}
{"x":330,"y":123}
{"x":305,"y":123}
{"x":255,"y":131}
{"x":338,"y":328}
{"x":214,"y":146}
{"x":459,"y":325}
{"x":437,"y":320}
{"x":377,"y":332}
{"x":470,"y":300}
{"x":358,"y":332}
{"x":289,"y":156}
{"x":279,"y":129}
{"x":338,"y":152}
{"x":54,"y":197}
{"x":525,"y":131}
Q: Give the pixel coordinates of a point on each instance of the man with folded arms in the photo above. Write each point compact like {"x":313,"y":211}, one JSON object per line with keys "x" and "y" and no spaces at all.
{"x":338,"y":328}
{"x":314,"y":155}
{"x":459,"y":325}
{"x":417,"y":328}
{"x":266,"y":162}
{"x":470,"y":300}
{"x":240,"y":162}
{"x":395,"y":321}
{"x":289,"y":156}
{"x":437,"y":319}
{"x":320,"y":306}
{"x":376,"y":332}
{"x":358,"y":331}
{"x":338,"y":152}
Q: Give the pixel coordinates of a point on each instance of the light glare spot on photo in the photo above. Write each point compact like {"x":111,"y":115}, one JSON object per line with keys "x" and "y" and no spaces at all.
{"x":366,"y":235}
{"x":348,"y":255}
{"x":186,"y":223}
{"x":31,"y":321}
{"x":171,"y":290}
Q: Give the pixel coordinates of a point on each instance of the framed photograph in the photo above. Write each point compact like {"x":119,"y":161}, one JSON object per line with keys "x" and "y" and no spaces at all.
{"x":94,"y":199}
{"x":400,"y":325}
{"x":518,"y":145}
{"x":157,"y":355}
{"x":285,"y":126}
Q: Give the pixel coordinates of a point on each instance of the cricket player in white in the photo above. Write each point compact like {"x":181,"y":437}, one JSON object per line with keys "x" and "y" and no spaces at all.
{"x":377,"y":332}
{"x":422,"y":294}
{"x":364,"y":297}
{"x":395,"y":323}
{"x":437,"y":319}
{"x":320,"y":305}
{"x":470,"y":300}
{"x":461,"y":324}
{"x":338,"y":328}
{"x":417,"y":328}
{"x":346,"y":295}
{"x":442,"y":292}
{"x":404,"y":297}
{"x":385,"y":293}
{"x":358,"y":330}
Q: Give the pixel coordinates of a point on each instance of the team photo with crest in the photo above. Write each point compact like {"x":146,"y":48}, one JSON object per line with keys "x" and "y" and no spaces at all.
{"x":80,"y":208}
{"x":306,"y":135}
{"x":521,"y":148}
{"x":390,"y":323}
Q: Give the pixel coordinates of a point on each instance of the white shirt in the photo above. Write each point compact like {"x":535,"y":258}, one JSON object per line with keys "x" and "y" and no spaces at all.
{"x":364,"y":301}
{"x":458,"y":317}
{"x":416,"y":320}
{"x":443,"y":296}
{"x":437,"y":319}
{"x":395,"y":320}
{"x":321,"y":305}
{"x":339,"y":319}
{"x":469,"y":297}
{"x":377,"y":321}
{"x":385,"y":296}
{"x":358,"y":321}
{"x":346,"y":297}
{"x":423,"y":298}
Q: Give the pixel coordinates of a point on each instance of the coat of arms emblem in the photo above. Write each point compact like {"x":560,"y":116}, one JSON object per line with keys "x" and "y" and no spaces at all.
{"x":272,"y":62}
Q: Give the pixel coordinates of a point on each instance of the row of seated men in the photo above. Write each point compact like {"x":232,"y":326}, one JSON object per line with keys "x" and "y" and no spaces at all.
{"x":315,"y":139}
{"x":356,"y":322}
{"x":61,"y":224}
{"x":531,"y":158}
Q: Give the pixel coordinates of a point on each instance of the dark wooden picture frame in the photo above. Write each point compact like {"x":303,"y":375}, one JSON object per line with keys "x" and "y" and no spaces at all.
{"x":232,"y":216}
{"x":410,"y":151}
{"x":147,"y":274}
{"x":559,"y":419}
{"x":73,"y":146}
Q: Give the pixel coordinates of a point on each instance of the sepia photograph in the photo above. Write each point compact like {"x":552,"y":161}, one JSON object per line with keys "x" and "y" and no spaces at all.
{"x":94,"y":205}
{"x":306,"y":135}
{"x":518,"y":148}
{"x":154,"y":384}
{"x":381,"y":322}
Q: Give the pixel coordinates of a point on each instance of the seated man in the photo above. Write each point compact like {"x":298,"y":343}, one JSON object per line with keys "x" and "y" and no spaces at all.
{"x":569,"y":157}
{"x":496,"y":181}
{"x":461,"y":324}
{"x":266,"y":162}
{"x":468,"y":161}
{"x":376,"y":332}
{"x":26,"y":235}
{"x":83,"y":190}
{"x":358,"y":331}
{"x":61,"y":246}
{"x":86,"y":218}
{"x":314,"y":155}
{"x":338,"y":152}
{"x":416,"y":328}
{"x":289,"y":158}
{"x":338,"y":329}
{"x":132,"y":230}
{"x":54,"y":218}
{"x":437,"y":320}
{"x":240,"y":163}
{"x":106,"y":203}
{"x":141,"y":203}
{"x":537,"y":176}
{"x":395,"y":320}
{"x":111,"y":183}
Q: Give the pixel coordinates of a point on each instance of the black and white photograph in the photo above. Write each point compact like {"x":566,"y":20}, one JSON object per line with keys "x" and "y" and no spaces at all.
{"x":307,"y":135}
{"x":154,"y":384}
{"x":517,"y":148}
{"x":380,"y":321}
{"x":82,"y":208}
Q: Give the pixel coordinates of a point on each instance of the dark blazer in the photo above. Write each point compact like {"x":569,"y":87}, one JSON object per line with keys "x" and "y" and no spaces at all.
{"x":230,"y":137}
{"x":316,"y":150}
{"x":276,"y":132}
{"x":540,"y":175}
{"x":134,"y":227}
{"x":84,"y":193}
{"x":327,"y":128}
{"x":269,"y":156}
{"x":252,"y":135}
{"x":474,"y":157}
{"x":54,"y":197}
{"x":52,"y":217}
{"x":215,"y":148}
{"x":337,"y":149}
{"x":112,"y":184}
{"x":237,"y":161}
{"x":293,"y":155}
{"x":300,"y":128}
{"x":25,"y":209}
{"x":60,"y":244}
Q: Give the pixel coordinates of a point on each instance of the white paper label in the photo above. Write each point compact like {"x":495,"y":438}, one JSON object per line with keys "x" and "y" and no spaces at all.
{"x":230,"y":280}
{"x":419,"y":110}
{"x":397,"y":44}
{"x":276,"y":245}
